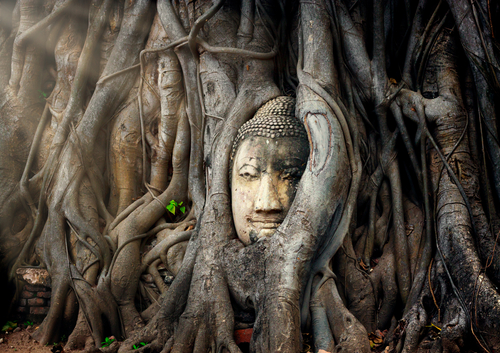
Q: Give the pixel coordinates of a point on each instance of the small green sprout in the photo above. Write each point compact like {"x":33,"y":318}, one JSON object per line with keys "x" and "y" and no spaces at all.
{"x":107,"y":342}
{"x":138,"y":345}
{"x":28,"y":323}
{"x":173,"y":205}
{"x":9,"y":325}
{"x":42,"y":96}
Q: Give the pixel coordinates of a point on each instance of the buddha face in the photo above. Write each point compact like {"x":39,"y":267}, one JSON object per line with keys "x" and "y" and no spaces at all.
{"x":264,"y":180}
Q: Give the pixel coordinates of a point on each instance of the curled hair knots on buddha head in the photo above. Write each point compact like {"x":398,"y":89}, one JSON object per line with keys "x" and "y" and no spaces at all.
{"x":273,"y":120}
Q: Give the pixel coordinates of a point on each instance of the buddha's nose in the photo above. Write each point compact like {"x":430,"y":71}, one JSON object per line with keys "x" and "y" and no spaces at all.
{"x":267,"y":198}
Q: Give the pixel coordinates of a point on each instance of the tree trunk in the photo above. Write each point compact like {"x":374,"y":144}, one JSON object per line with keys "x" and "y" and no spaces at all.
{"x":117,"y":126}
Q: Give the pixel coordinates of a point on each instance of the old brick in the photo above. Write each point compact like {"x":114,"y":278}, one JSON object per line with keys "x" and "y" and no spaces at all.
{"x":25,"y":294}
{"x":243,"y":336}
{"x":43,"y":294}
{"x":22,"y":302}
{"x":40,"y":310}
{"x":34,"y":288}
{"x":36,"y":302}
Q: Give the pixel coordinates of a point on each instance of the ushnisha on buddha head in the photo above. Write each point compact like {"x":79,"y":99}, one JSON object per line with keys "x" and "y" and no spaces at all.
{"x":269,"y":156}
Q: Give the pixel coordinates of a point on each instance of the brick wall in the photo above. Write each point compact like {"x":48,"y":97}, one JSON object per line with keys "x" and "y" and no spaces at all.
{"x":34,"y":302}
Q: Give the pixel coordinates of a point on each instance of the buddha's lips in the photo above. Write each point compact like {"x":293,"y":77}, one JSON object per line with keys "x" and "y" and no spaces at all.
{"x":263,"y":223}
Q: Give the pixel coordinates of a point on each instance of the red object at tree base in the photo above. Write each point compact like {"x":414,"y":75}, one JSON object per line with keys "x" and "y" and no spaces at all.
{"x":243,"y":335}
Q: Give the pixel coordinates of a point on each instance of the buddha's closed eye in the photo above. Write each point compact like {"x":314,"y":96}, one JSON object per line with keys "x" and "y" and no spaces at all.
{"x":249,"y":172}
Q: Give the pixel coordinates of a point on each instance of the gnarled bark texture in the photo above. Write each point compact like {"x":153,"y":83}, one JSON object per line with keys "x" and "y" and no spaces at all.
{"x":113,"y":110}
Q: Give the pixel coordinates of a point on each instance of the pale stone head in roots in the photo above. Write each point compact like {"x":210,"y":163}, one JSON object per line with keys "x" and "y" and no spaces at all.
{"x":269,"y":156}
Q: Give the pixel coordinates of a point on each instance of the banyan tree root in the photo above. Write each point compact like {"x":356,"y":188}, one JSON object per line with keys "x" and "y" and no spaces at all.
{"x":112,"y":110}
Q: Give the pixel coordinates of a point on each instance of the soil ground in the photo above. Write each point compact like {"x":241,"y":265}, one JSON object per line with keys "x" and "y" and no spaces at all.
{"x":21,"y":342}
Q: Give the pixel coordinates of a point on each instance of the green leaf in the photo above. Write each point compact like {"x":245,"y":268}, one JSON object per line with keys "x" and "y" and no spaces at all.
{"x":183,"y":209}
{"x":107,"y":342}
{"x":143,"y":343}
{"x":9,"y":325}
{"x":180,"y":203}
{"x":171,"y":208}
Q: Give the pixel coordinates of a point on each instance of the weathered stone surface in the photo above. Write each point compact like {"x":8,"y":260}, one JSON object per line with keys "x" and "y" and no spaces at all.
{"x":34,"y":276}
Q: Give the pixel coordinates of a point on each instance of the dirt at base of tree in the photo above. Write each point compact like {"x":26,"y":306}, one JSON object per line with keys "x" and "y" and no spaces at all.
{"x":121,"y":126}
{"x":22,"y":342}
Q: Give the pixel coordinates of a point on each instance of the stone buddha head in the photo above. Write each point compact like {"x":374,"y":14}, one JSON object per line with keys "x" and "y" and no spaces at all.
{"x":269,"y":156}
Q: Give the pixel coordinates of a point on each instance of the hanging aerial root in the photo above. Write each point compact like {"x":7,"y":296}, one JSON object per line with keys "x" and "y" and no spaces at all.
{"x":23,"y":184}
{"x":387,"y":156}
{"x":164,"y":245}
{"x":349,"y":334}
{"x":157,"y":279}
{"x":23,"y":37}
{"x":158,"y":331}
